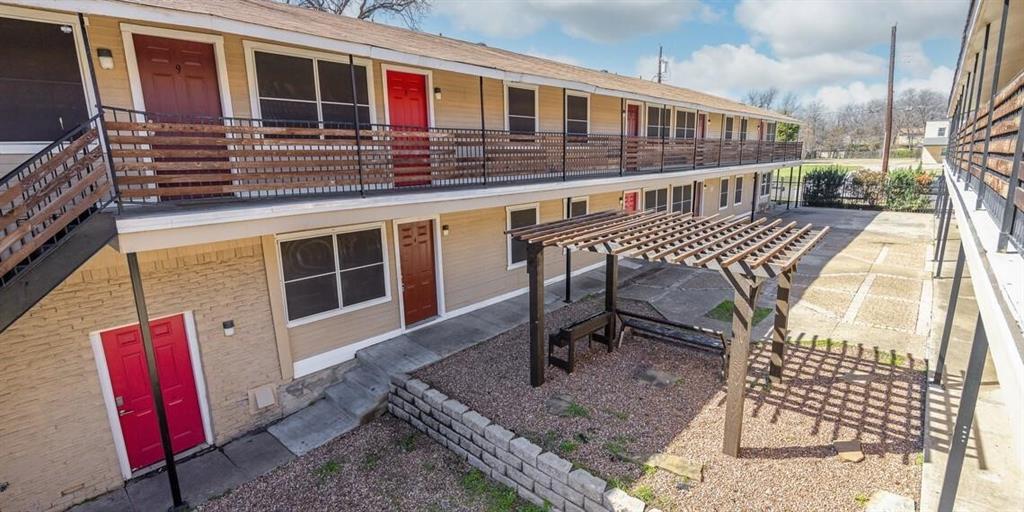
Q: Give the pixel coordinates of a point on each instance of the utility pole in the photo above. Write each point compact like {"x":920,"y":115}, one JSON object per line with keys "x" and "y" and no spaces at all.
{"x":660,"y":63}
{"x":888,"y":104}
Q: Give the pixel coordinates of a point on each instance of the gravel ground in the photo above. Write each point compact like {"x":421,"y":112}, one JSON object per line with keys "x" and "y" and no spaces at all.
{"x":383,"y":465}
{"x":787,"y":461}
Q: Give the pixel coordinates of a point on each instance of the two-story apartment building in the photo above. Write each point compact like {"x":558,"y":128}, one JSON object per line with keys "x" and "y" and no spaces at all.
{"x":296,"y":187}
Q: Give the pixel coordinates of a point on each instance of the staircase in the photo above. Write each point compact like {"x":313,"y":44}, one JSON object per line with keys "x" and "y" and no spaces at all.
{"x":52,"y":218}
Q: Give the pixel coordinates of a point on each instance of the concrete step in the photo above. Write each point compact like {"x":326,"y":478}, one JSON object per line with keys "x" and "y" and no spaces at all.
{"x":356,"y":399}
{"x":313,"y":426}
{"x":370,"y":377}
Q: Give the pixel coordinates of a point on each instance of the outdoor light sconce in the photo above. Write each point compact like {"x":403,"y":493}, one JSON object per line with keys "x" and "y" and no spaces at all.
{"x":106,"y":58}
{"x":445,"y":230}
{"x":437,"y":93}
{"x":229,"y":327}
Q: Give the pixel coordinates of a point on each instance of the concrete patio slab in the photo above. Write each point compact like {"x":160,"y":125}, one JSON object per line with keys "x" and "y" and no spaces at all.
{"x":113,"y":500}
{"x":257,"y":454}
{"x":312,"y":427}
{"x":202,"y":478}
{"x":398,"y":355}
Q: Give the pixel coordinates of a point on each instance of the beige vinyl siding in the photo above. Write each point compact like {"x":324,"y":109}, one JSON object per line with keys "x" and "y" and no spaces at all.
{"x":605,"y":114}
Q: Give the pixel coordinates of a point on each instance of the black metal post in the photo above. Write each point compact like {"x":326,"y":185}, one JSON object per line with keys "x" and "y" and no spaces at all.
{"x":355,"y":116}
{"x":622,"y":136}
{"x":568,"y":257}
{"x":947,"y":327}
{"x":1010,"y":206}
{"x":789,"y":189}
{"x":991,"y":103}
{"x":942,"y":241}
{"x":100,"y":121}
{"x":611,"y":295}
{"x":964,"y":418}
{"x":696,"y":119}
{"x":483,"y":130}
{"x":662,"y":129}
{"x":565,"y":128}
{"x":721,"y":142}
{"x":154,"y":380}
{"x":535,"y":273}
{"x":979,"y":80}
{"x":799,"y":185}
{"x":753,"y":198}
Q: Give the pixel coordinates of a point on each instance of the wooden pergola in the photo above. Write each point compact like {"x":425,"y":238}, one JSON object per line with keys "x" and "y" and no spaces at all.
{"x":748,"y":253}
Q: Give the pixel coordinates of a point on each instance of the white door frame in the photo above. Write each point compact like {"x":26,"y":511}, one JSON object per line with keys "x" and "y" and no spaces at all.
{"x":134,"y":80}
{"x":429,"y":92}
{"x":107,"y":388}
{"x":438,"y":268}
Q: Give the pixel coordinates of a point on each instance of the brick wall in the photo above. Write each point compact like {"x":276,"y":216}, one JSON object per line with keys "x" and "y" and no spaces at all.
{"x":56,"y":445}
{"x":537,"y":476}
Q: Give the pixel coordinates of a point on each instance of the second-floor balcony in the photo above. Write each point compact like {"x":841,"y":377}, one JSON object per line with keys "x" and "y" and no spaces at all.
{"x":157,"y":157}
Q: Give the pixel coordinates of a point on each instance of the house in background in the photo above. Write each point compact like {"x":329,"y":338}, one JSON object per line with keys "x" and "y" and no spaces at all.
{"x":934,"y":144}
{"x":295,"y":187}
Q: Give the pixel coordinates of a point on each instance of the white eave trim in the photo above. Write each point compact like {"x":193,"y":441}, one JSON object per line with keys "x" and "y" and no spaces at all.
{"x":209,"y":22}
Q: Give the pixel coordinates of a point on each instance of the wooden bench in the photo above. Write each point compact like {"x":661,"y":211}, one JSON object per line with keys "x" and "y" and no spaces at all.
{"x":690,"y":336}
{"x":567,"y":337}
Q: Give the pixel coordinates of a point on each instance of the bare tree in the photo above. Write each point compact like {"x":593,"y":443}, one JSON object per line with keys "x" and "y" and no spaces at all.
{"x":411,"y":12}
{"x":762,"y":98}
{"x":788,"y":105}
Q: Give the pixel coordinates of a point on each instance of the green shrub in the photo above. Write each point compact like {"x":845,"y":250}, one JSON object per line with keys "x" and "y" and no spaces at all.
{"x":823,"y":186}
{"x":870,"y":185}
{"x":905,"y":190}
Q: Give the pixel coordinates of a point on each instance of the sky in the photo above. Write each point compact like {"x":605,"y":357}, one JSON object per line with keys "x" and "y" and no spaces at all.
{"x":833,"y":51}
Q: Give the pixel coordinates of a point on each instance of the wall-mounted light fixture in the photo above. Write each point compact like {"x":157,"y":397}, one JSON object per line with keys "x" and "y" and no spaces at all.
{"x":229,"y":327}
{"x":437,"y":93}
{"x":445,"y":230}
{"x":106,"y":58}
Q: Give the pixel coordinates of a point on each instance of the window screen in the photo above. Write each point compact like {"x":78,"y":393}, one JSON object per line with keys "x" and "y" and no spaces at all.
{"x":743,"y":129}
{"x":522,"y":110}
{"x":739,"y":190}
{"x":766,"y":183}
{"x":686,"y":125}
{"x":41,"y":93}
{"x":656,"y":199}
{"x":578,"y":208}
{"x":330,"y":272}
{"x":770,"y":133}
{"x":728,"y":128}
{"x":288,"y":91}
{"x":657,"y":122}
{"x":682,"y":199}
{"x":576,"y":114}
{"x":518,"y":219}
{"x":723,"y":195}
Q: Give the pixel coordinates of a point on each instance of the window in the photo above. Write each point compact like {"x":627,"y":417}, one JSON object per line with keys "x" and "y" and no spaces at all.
{"x":743,"y":129}
{"x":522,"y":110}
{"x":309,"y":90}
{"x":942,"y":131}
{"x":723,"y":194}
{"x":658,"y":119}
{"x":686,"y":125}
{"x":333,"y":271}
{"x":769,"y":133}
{"x":517,"y":217}
{"x":682,"y":199}
{"x":577,"y":111}
{"x":728,"y":128}
{"x":578,"y":207}
{"x":766,"y":183}
{"x":41,"y":92}
{"x":656,"y":199}
{"x":738,"y":198}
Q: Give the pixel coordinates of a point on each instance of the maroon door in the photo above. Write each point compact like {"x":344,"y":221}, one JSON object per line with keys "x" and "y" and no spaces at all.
{"x":419,"y":285}
{"x":179,"y":84}
{"x":407,"y":109}
{"x":702,"y":123}
{"x":129,"y":378}
{"x":632,"y":134}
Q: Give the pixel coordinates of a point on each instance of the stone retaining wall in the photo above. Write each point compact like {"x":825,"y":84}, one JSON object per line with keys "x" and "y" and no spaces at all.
{"x":537,"y":476}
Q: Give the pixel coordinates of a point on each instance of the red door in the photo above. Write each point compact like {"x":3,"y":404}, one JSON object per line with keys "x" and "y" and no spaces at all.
{"x":630,"y":201}
{"x":129,"y":377}
{"x":179,"y":84}
{"x":419,"y":285}
{"x":632,"y":132}
{"x":407,"y":108}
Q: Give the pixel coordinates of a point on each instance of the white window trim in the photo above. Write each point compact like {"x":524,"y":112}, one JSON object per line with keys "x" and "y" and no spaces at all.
{"x":668,"y":196}
{"x":251,"y":47}
{"x":659,"y":106}
{"x":536,"y":102}
{"x":766,"y":186}
{"x":438,"y":266}
{"x":20,"y":13}
{"x":571,"y":200}
{"x":384,"y":68}
{"x":135,"y":82}
{"x":738,"y":188}
{"x":565,"y":107}
{"x":107,"y":388}
{"x":508,"y":238}
{"x":341,"y":310}
{"x":682,"y":186}
{"x":675,"y":123}
{"x":723,"y":185}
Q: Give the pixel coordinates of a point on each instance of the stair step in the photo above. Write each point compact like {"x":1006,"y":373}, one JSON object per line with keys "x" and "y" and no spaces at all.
{"x":369,"y":377}
{"x":361,"y":402}
{"x":313,"y":427}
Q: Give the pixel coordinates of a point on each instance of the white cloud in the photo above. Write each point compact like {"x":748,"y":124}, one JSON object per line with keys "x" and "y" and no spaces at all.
{"x":835,"y":96}
{"x":731,"y":70}
{"x":594,"y":20}
{"x":800,"y":27}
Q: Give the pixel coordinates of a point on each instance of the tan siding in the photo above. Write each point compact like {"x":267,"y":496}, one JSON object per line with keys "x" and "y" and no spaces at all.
{"x":605,"y":114}
{"x":55,"y":441}
{"x":9,"y":162}
{"x":550,"y":108}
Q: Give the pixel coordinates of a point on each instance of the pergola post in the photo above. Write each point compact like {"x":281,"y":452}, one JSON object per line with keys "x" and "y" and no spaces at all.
{"x":781,"y":329}
{"x":154,"y":381}
{"x":611,"y":295}
{"x":947,"y":327}
{"x":535,"y":274}
{"x":739,"y":351}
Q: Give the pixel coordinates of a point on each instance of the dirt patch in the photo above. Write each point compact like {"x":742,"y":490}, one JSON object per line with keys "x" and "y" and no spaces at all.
{"x":618,"y":415}
{"x":383,"y":465}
